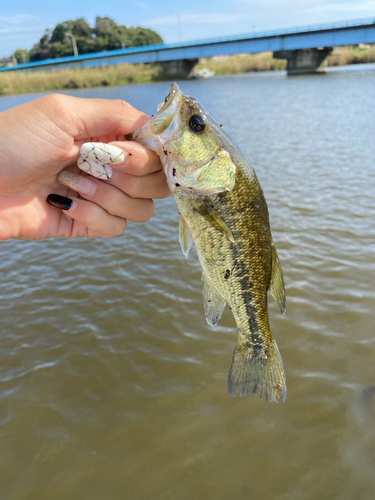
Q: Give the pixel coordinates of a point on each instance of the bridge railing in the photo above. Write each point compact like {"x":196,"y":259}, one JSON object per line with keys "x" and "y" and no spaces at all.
{"x":196,"y":43}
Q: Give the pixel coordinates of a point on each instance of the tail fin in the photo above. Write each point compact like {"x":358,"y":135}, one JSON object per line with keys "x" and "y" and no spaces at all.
{"x":251,"y":373}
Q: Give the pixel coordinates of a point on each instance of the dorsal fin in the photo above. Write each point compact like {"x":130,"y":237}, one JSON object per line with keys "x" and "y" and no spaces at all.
{"x":277,"y":288}
{"x":213,"y":303}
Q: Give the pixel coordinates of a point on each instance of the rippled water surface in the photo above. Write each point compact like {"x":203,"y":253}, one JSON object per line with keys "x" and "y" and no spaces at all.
{"x":113,"y":387}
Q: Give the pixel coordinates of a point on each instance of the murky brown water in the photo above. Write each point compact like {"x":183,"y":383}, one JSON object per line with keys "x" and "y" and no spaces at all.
{"x":113,"y":387}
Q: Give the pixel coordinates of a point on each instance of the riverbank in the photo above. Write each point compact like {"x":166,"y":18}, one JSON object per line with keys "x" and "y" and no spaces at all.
{"x":125,"y":74}
{"x":249,"y":63}
{"x":105,"y":76}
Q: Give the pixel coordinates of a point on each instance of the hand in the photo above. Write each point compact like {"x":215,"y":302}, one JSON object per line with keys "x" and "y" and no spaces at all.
{"x":40,"y":138}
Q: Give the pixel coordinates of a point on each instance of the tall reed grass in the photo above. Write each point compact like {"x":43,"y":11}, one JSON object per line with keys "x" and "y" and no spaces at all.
{"x":18,"y":82}
{"x":243,"y":63}
{"x":352,"y":55}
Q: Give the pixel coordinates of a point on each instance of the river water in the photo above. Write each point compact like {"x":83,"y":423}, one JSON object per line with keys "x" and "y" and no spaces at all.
{"x":112,"y":385}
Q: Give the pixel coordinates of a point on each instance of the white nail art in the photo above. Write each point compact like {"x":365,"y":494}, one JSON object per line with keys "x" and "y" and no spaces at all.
{"x":95,"y":168}
{"x":99,"y":151}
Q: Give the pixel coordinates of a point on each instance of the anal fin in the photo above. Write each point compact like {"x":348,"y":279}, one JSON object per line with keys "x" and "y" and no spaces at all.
{"x":214,"y":304}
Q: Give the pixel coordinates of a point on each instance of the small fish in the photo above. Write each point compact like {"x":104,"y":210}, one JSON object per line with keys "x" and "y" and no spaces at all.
{"x":223,"y":211}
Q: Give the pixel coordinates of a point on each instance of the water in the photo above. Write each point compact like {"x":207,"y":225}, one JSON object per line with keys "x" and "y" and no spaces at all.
{"x":113,"y":387}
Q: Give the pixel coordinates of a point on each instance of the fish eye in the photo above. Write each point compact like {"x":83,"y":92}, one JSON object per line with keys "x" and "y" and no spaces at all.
{"x":197,"y":124}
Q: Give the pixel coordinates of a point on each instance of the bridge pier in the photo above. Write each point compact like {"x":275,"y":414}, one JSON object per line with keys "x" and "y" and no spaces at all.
{"x":180,"y":68}
{"x":303,"y":61}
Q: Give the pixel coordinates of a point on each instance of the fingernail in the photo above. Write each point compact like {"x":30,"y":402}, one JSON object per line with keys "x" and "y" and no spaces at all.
{"x":95,"y":168}
{"x":101,"y":152}
{"x":78,"y":183}
{"x":61,"y":202}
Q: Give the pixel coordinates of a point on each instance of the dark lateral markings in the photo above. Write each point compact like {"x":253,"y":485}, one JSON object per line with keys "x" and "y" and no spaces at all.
{"x":251,"y":314}
{"x":256,"y":344}
{"x":228,"y":272}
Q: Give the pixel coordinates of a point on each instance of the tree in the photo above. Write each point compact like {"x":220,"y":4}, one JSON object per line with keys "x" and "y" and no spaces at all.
{"x":41,"y":50}
{"x":106,"y":35}
{"x":59,"y":33}
{"x":102,"y":25}
{"x":22,"y":56}
{"x":144,"y":36}
{"x":79,"y":28}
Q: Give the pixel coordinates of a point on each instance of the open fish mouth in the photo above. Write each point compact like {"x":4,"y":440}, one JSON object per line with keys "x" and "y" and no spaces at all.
{"x":166,"y":111}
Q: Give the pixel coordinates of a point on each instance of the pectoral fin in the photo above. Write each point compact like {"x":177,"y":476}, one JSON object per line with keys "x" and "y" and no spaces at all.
{"x":213,"y":303}
{"x":184,"y":237}
{"x":213,"y":217}
{"x":277,"y":282}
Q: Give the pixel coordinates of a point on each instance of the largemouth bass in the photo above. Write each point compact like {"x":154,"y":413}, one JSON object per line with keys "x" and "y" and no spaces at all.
{"x":224,"y":212}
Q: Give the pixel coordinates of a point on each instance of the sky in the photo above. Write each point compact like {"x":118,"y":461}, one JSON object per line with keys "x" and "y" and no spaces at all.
{"x":22,"y":23}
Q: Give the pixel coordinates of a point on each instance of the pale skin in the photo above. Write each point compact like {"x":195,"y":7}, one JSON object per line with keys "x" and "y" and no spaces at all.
{"x":41,"y":138}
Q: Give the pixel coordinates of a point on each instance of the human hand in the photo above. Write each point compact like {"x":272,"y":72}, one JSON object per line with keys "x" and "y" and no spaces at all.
{"x":41,"y":138}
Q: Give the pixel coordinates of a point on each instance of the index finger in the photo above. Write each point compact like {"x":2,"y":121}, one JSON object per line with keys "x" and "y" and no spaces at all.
{"x":138,"y":160}
{"x":85,"y":118}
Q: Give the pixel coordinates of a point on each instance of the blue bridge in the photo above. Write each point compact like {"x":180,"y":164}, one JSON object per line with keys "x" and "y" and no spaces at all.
{"x":305,"y":48}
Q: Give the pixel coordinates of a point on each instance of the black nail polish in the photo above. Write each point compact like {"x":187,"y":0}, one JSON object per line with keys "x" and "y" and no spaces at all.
{"x":59,"y":201}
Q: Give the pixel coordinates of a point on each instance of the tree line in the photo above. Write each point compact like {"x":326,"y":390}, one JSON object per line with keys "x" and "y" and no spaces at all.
{"x":105,"y":35}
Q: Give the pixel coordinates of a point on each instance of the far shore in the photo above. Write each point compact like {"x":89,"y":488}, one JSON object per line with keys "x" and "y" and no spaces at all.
{"x":124,"y":74}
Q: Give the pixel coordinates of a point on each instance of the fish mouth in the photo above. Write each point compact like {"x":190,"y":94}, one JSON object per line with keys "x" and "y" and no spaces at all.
{"x":151,"y":133}
{"x":166,"y":111}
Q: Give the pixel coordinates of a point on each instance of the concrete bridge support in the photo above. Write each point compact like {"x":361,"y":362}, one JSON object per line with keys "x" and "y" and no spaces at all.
{"x":180,"y":68}
{"x":303,"y":61}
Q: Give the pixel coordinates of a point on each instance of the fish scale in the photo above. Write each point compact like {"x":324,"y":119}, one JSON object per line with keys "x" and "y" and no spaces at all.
{"x":224,"y":212}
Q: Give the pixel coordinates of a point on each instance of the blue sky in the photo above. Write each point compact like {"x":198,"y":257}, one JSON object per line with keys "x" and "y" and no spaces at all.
{"x":22,"y":23}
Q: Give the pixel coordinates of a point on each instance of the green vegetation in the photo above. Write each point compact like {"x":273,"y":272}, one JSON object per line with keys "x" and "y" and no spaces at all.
{"x":22,"y":56}
{"x":243,"y":63}
{"x":45,"y":81}
{"x":124,"y":74}
{"x":247,"y":63}
{"x":352,"y":55}
{"x":106,"y":35}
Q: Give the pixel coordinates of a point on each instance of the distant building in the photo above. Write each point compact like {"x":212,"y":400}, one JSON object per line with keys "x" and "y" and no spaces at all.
{"x":8,"y":61}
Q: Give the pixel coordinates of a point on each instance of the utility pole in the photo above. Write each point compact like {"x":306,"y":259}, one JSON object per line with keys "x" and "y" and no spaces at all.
{"x":73,"y":39}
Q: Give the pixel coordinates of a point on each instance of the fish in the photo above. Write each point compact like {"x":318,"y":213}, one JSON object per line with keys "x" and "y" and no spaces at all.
{"x":223,"y":211}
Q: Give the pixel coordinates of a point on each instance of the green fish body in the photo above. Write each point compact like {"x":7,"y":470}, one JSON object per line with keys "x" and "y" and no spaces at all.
{"x":224,"y":212}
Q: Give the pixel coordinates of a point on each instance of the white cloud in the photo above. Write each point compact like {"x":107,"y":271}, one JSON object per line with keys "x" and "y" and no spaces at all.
{"x":270,"y":11}
{"x":19,"y":31}
{"x":246,"y":16}
{"x":142,"y":5}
